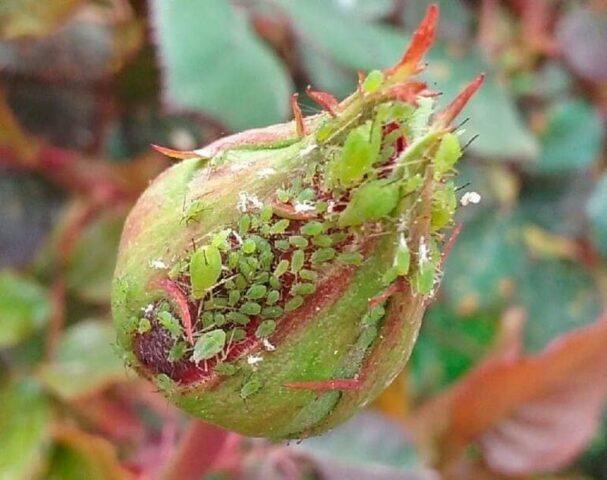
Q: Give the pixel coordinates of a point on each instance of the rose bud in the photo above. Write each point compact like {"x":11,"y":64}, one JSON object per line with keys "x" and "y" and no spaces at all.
{"x":273,"y":282}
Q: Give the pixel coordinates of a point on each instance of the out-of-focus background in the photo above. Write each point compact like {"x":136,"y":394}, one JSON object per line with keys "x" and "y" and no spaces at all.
{"x":509,"y":375}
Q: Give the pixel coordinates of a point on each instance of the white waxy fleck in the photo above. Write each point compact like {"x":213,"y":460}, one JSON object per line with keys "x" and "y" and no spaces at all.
{"x":302,"y":207}
{"x":158,"y":264}
{"x":149,"y":308}
{"x":254,"y":359}
{"x":267,"y":345}
{"x":308,"y":149}
{"x":470,"y":197}
{"x":266,"y":172}
{"x":423,"y":251}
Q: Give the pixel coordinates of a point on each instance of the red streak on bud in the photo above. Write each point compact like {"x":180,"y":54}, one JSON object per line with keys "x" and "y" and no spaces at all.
{"x":181,"y":302}
{"x":299,"y":123}
{"x":324,"y":99}
{"x":423,"y":38}
{"x":351,"y":384}
{"x":398,"y":286}
{"x":444,"y":118}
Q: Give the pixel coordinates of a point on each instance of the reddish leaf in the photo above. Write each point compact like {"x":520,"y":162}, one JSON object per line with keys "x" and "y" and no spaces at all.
{"x":528,"y":414}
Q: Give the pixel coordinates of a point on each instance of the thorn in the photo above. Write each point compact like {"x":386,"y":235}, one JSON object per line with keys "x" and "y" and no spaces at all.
{"x":181,"y":302}
{"x":422,"y":40}
{"x":299,"y":121}
{"x":179,"y":154}
{"x":351,"y":384}
{"x":324,"y":99}
{"x":444,"y":118}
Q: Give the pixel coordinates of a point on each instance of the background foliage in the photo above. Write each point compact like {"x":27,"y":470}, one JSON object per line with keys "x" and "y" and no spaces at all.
{"x":509,"y":375}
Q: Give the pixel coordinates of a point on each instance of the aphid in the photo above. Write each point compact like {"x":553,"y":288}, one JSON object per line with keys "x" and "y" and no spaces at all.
{"x":205,"y":268}
{"x":208,"y":345}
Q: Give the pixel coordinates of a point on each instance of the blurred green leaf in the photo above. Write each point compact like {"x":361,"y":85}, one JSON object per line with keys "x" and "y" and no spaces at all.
{"x":346,"y":42}
{"x":81,"y":455}
{"x":484,"y":262}
{"x":86,"y":361}
{"x":24,"y":430}
{"x":91,"y":265}
{"x":559,"y":296}
{"x":448,"y":346}
{"x":24,"y":308}
{"x":572,"y":139}
{"x":367,"y":439}
{"x":596,"y":210}
{"x":215,"y":64}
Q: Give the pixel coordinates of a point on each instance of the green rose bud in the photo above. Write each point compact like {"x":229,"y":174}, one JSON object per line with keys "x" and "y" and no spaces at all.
{"x":274,"y":282}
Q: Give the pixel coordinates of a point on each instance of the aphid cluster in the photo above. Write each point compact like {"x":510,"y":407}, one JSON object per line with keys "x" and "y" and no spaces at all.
{"x":290,"y":266}
{"x":353,"y":186}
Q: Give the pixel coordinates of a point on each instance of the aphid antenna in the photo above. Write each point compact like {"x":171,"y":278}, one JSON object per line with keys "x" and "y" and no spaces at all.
{"x":465,"y":147}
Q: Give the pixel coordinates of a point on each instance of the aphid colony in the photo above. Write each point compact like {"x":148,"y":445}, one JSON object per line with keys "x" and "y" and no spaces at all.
{"x":242,"y":280}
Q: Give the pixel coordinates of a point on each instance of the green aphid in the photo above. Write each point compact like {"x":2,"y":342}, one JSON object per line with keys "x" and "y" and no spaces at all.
{"x":208,"y":345}
{"x":448,"y":153}
{"x":164,"y":383}
{"x":373,"y":82}
{"x":233,"y":259}
{"x":193,"y":212}
{"x":412,"y":184}
{"x":283,"y":196}
{"x":306,"y":195}
{"x":303,"y":289}
{"x":322,"y":241}
{"x":256,"y":292}
{"x":280,"y":226}
{"x":219,"y":319}
{"x":419,"y":123}
{"x":444,"y":204}
{"x":312,"y":228}
{"x":272,"y":312}
{"x":350,"y":258}
{"x":170,"y":323}
{"x":282,"y":245}
{"x":266,"y":213}
{"x":272,"y":297}
{"x":266,"y":259}
{"x":275,"y":282}
{"x":372,"y":317}
{"x":298,"y":241}
{"x":297,"y":260}
{"x":423,"y":280}
{"x":207,"y":319}
{"x":233,"y":297}
{"x":244,"y":224}
{"x":177,"y":352}
{"x":144,"y":326}
{"x":237,"y":317}
{"x":205,"y":269}
{"x":402,"y":257}
{"x":237,"y":334}
{"x":250,"y":308}
{"x":309,"y":275}
{"x":220,"y":240}
{"x":294,"y":303}
{"x":281,"y":268}
{"x":240,"y":281}
{"x":323,"y":255}
{"x":249,"y":246}
{"x":226,"y":369}
{"x":263,"y":277}
{"x":356,"y":158}
{"x":265,"y":329}
{"x":251,"y":387}
{"x":372,"y":201}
